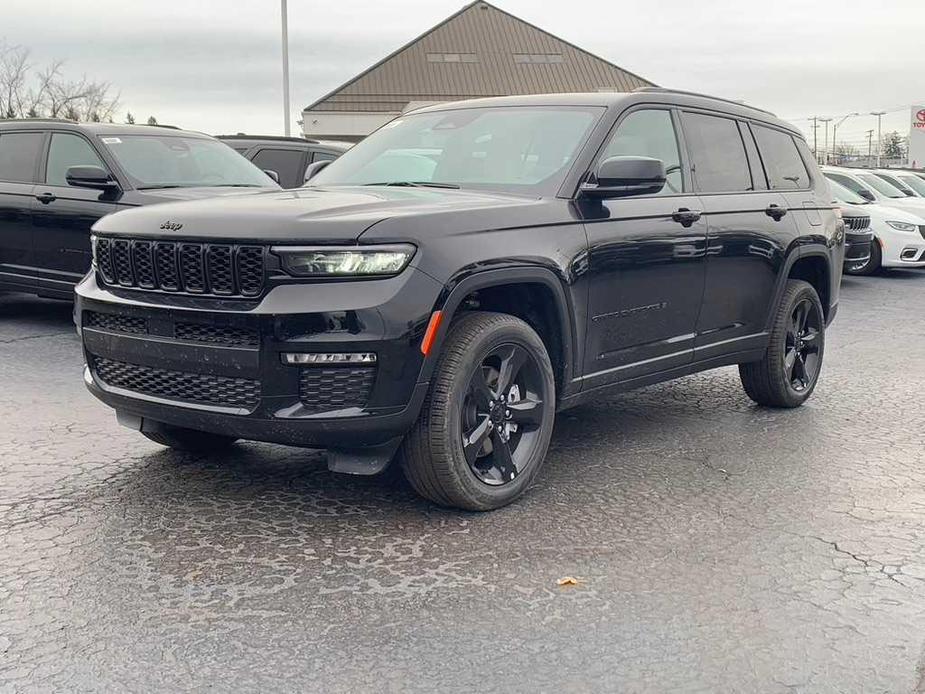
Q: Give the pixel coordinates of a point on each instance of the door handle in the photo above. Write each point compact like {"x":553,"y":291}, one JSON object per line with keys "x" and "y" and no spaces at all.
{"x":686,"y":217}
{"x":775,"y":211}
{"x":46,"y":198}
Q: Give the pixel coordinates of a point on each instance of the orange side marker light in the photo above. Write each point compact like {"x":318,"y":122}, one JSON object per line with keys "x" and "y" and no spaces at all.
{"x":433,"y":325}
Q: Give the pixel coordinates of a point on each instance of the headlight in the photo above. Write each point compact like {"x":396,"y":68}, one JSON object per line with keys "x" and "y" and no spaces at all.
{"x":353,"y":261}
{"x":903,"y":226}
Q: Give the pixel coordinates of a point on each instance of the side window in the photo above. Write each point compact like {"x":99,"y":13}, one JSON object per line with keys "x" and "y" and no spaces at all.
{"x":286,"y":162}
{"x":717,"y":154}
{"x":754,"y":159}
{"x":19,"y":153}
{"x":323,"y":156}
{"x":649,"y":133}
{"x":846,"y":181}
{"x":782,"y":161}
{"x":68,"y":150}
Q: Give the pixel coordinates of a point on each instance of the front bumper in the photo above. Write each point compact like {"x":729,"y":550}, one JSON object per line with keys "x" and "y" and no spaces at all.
{"x":857,"y":247}
{"x":216,"y":365}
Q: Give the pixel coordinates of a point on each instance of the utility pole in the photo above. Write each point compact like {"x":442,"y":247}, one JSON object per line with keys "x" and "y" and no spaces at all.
{"x":870,"y":145}
{"x":880,"y":115}
{"x":815,"y":128}
{"x":825,"y":145}
{"x":285,"y":20}
{"x":835,"y":134}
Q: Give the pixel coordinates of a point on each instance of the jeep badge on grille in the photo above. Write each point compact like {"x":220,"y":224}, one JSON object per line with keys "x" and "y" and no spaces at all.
{"x":172,"y":226}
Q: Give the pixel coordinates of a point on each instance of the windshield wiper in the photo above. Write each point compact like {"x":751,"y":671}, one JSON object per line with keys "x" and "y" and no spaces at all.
{"x":414,"y":184}
{"x":159,"y":187}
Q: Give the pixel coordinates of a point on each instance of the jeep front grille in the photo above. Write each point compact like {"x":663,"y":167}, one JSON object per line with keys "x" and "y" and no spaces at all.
{"x":195,"y":268}
{"x":857,"y":223}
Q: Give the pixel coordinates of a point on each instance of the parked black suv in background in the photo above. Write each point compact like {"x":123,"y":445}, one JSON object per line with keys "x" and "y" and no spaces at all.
{"x":289,"y":157}
{"x":452,"y":281}
{"x":58,"y":177}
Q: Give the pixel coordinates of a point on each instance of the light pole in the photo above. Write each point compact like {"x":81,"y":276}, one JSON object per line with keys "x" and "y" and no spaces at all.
{"x":835,"y":133}
{"x":285,"y":20}
{"x":815,"y":128}
{"x":825,"y":142}
{"x":880,"y":115}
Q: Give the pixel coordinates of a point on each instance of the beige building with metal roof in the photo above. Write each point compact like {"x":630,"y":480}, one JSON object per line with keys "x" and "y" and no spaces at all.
{"x":479,"y":51}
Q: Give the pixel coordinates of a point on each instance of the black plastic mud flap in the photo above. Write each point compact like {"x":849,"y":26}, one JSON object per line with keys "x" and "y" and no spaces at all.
{"x":370,"y":460}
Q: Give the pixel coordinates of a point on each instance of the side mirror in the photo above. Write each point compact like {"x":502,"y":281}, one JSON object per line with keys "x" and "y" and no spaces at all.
{"x":94,"y":177}
{"x":272,"y":174}
{"x":314,"y":168}
{"x":866,"y":194}
{"x":618,"y":177}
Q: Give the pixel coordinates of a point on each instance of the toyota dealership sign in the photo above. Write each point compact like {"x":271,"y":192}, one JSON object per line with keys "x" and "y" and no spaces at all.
{"x":917,"y":137}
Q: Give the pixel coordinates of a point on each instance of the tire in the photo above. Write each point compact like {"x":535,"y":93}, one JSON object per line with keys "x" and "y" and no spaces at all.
{"x":182,"y":439}
{"x":776,"y":380}
{"x":493,"y":385}
{"x":872,"y":266}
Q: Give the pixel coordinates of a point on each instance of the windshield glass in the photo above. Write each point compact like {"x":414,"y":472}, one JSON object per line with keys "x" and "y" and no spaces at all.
{"x":519,"y":149}
{"x":917,"y":184}
{"x":896,"y":183}
{"x":881,"y":186}
{"x":844,"y":195}
{"x":169,"y":161}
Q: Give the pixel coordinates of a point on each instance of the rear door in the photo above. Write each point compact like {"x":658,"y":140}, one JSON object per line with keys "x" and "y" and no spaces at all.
{"x":19,"y":158}
{"x":288,"y":162}
{"x":749,"y":230}
{"x":63,"y":214}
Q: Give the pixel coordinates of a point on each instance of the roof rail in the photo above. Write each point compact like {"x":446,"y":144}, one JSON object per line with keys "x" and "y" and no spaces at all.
{"x":665,"y":90}
{"x":38,"y":120}
{"x":281,"y":138}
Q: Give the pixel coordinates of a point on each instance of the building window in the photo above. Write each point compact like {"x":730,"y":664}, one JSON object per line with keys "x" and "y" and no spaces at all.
{"x":539,"y":58}
{"x":452,"y":58}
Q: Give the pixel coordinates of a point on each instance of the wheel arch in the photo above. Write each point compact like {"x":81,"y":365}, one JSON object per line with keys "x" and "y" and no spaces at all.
{"x":550,"y":313}
{"x":812,"y":264}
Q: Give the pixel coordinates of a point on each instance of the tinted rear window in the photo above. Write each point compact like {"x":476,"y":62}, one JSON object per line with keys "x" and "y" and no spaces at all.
{"x":781,"y":158}
{"x":287,"y":163}
{"x":19,"y":153}
{"x":717,"y":154}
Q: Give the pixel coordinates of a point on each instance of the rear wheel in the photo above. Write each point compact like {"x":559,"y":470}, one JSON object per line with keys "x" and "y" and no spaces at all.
{"x":787,"y":375}
{"x":872,"y":265}
{"x":183,"y":439}
{"x":486,"y":423}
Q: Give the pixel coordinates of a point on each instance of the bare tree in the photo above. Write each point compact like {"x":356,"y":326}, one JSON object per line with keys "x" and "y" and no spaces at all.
{"x":28,"y":93}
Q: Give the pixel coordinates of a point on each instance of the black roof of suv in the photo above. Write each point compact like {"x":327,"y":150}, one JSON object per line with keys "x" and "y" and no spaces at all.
{"x":287,"y":157}
{"x":459,"y":276}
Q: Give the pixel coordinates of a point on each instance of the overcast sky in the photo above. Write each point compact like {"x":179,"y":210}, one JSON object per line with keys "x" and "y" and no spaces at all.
{"x":214,"y":65}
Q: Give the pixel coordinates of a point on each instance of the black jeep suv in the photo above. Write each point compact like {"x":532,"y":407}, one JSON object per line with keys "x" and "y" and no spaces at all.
{"x":447,"y":285}
{"x":58,"y":177}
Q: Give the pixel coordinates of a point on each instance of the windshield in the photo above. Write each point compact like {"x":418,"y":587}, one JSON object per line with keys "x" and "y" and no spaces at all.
{"x":917,"y":184}
{"x":170,"y":161}
{"x":881,"y":186}
{"x":845,"y":195}
{"x":896,"y":183}
{"x":519,"y":149}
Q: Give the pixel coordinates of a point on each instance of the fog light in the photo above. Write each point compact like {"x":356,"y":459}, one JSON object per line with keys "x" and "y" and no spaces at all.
{"x":326,"y":358}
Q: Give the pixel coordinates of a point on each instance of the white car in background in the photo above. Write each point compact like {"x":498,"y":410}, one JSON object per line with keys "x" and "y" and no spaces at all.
{"x":899,"y":235}
{"x":872,"y":188}
{"x":893,"y":178}
{"x":911,"y":179}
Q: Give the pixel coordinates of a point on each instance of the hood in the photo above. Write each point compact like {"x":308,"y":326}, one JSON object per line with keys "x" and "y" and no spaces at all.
{"x":881,"y":212}
{"x":314,"y":215}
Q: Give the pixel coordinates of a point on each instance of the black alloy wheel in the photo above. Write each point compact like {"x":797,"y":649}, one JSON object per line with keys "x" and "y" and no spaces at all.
{"x":487,"y":420}
{"x":801,"y":353}
{"x":502,"y":413}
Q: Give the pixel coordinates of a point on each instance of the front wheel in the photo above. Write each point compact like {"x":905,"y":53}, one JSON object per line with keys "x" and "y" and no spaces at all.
{"x":488,"y":417}
{"x":789,"y":371}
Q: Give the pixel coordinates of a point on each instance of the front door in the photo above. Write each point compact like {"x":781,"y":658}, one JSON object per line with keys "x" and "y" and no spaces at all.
{"x":646,"y":261}
{"x":63,"y":214}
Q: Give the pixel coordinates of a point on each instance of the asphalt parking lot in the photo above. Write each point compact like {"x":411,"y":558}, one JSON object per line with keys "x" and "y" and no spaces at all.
{"x":718,"y":546}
